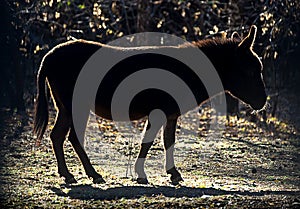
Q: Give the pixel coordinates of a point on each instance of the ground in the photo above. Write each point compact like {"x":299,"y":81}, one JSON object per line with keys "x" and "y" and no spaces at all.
{"x":242,"y":164}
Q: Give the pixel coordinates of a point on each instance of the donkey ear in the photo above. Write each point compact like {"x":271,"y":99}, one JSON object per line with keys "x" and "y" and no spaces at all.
{"x":235,"y":35}
{"x":250,"y":38}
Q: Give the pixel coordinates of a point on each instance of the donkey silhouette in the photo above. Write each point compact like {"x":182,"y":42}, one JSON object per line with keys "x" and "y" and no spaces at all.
{"x":238,"y":66}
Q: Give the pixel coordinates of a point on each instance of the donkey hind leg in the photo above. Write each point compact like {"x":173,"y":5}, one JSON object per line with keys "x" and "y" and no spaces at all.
{"x":89,"y":169}
{"x":147,"y":142}
{"x":169,"y":142}
{"x":58,"y":136}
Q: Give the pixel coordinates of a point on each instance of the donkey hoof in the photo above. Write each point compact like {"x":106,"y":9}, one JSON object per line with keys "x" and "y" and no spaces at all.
{"x":176,"y":180}
{"x":71,"y":180}
{"x":99,"y":180}
{"x":142,"y":180}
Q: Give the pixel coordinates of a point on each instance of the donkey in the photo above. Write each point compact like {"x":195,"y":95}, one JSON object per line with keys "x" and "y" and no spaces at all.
{"x":238,"y":66}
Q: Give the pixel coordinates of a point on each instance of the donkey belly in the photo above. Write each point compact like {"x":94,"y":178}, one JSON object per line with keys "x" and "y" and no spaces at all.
{"x":140,"y":106}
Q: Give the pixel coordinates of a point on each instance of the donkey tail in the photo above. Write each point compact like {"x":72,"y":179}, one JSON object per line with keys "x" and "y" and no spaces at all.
{"x":41,"y":106}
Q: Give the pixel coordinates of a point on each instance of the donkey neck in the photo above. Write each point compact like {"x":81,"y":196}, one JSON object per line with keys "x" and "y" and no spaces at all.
{"x":221,"y":54}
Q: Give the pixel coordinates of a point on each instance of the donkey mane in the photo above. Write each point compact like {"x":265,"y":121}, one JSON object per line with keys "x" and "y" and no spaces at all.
{"x":217,"y":49}
{"x":212,"y":43}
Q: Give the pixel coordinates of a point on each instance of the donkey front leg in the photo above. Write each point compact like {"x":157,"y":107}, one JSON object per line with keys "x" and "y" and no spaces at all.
{"x":147,"y":142}
{"x":89,"y":169}
{"x":58,"y":136}
{"x":169,"y":142}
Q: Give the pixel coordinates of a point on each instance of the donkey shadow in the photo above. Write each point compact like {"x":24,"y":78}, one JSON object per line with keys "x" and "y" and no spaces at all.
{"x":88,"y":192}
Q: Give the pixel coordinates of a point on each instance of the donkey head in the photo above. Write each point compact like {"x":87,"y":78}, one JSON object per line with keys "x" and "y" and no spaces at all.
{"x":245,"y":80}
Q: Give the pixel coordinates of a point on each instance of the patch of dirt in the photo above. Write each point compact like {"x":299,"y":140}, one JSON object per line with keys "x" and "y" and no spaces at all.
{"x":238,"y":165}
